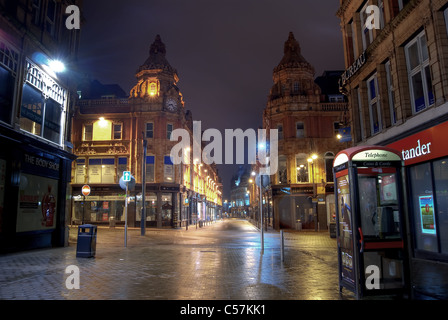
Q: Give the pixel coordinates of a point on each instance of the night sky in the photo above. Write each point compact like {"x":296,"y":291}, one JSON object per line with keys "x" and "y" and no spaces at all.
{"x":224,"y":51}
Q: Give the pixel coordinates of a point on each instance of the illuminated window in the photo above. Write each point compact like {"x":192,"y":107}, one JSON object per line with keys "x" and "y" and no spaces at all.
{"x":152,"y":88}
{"x":102,"y":130}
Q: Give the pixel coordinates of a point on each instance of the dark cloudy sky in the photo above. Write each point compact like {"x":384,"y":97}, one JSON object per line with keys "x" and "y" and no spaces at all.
{"x":224,"y":51}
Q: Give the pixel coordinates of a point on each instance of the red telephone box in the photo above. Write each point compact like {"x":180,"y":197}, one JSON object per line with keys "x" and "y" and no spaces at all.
{"x":370,"y":221}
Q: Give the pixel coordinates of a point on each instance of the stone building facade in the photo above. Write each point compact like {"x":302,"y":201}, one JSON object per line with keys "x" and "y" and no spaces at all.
{"x":307,"y":120}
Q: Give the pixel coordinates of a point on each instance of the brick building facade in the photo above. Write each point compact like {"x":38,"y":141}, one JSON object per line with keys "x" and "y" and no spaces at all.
{"x":308,"y":120}
{"x":396,"y":81}
{"x":109,"y":131}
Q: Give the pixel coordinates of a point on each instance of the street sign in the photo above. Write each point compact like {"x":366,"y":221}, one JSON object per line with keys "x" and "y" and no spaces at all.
{"x":127,"y":176}
{"x":85,"y":190}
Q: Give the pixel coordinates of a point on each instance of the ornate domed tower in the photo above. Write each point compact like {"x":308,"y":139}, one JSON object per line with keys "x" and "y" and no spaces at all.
{"x":306,"y":141}
{"x":156,"y":87}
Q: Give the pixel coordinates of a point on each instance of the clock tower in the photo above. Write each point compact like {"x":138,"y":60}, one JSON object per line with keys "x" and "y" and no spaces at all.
{"x":156,"y":88}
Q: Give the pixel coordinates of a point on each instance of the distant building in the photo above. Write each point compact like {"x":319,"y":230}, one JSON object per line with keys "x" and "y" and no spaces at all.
{"x":308,"y":115}
{"x":396,"y":81}
{"x":109,"y":128}
{"x":36,"y":100}
{"x":240,"y":193}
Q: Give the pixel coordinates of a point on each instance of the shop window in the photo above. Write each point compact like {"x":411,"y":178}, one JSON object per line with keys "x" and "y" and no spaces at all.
{"x":150,"y":130}
{"x":374,"y":105}
{"x":441,"y":187}
{"x":425,"y":230}
{"x":168,"y":170}
{"x":420,"y":83}
{"x":302,"y":168}
{"x":150,"y":173}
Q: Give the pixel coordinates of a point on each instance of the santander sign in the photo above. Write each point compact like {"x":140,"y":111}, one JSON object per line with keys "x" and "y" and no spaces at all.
{"x":426,"y":145}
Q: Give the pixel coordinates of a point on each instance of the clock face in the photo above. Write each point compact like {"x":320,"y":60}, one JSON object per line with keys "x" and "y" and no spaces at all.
{"x":171,"y":104}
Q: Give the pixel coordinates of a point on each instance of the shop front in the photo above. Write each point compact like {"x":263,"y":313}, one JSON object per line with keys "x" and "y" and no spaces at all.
{"x":425,"y":156}
{"x":33,"y":188}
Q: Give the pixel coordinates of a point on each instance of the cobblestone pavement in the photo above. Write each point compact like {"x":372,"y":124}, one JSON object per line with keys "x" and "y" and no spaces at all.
{"x":221,"y":261}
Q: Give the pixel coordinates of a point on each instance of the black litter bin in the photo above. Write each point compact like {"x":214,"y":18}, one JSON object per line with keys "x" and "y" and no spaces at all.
{"x":86,"y":247}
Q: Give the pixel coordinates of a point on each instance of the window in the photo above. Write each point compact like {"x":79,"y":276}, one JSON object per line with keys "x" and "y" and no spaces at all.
{"x":122,"y":167}
{"x":88,"y":131}
{"x":8,"y":72}
{"x":80,"y":170}
{"x":280,"y":131}
{"x":367,"y":34}
{"x":360,"y":118}
{"x":374,"y":105}
{"x":43,"y":102}
{"x":445,"y":12}
{"x":101,"y":171}
{"x":423,"y":207}
{"x":118,"y":131}
{"x":420,"y":84}
{"x":169,"y":131}
{"x":300,"y":130}
{"x":282,"y":173}
{"x":152,"y":89}
{"x":302,"y":168}
{"x":50,"y":19}
{"x":150,"y":173}
{"x":296,"y":87}
{"x":150,"y":130}
{"x":441,"y":187}
{"x":390,"y":93}
{"x":168,"y":170}
{"x":329,"y":158}
{"x":36,"y":11}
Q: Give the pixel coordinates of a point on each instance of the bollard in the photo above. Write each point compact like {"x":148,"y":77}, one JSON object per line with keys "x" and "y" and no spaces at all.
{"x":282,"y":246}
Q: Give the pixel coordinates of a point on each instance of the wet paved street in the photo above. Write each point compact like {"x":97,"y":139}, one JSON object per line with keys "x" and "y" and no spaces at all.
{"x":221,"y":261}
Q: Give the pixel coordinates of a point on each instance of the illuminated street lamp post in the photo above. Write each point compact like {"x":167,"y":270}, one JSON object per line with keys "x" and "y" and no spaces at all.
{"x":311,"y":161}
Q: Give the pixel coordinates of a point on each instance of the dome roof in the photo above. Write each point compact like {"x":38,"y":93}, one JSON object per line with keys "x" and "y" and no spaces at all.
{"x":292,"y":57}
{"x":157,"y":59}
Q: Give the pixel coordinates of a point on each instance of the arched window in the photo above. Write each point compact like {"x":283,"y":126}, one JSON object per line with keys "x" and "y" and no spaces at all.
{"x":302,"y":168}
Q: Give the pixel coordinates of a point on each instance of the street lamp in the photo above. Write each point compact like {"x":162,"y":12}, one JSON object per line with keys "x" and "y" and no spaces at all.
{"x":311,"y":161}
